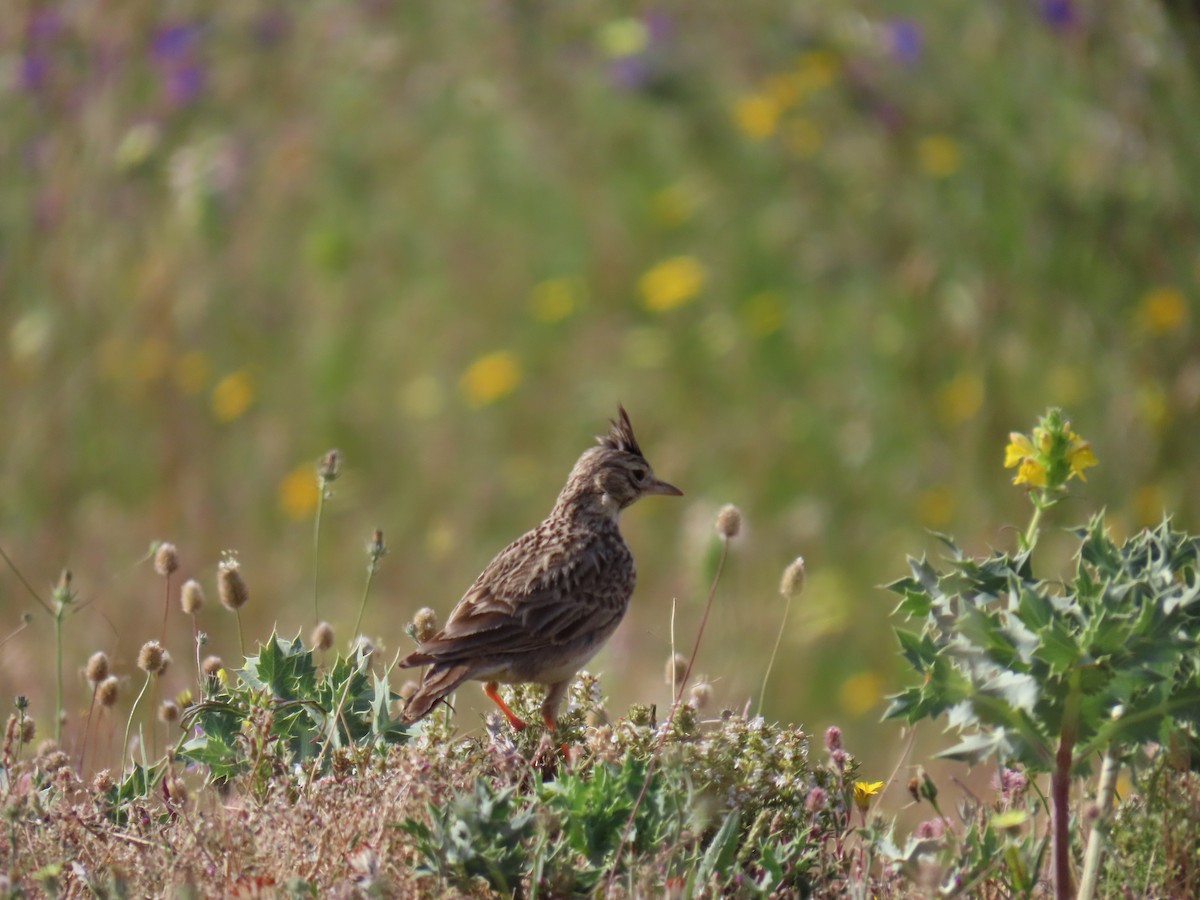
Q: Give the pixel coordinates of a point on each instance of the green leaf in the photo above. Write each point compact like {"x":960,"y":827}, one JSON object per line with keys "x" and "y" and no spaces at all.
{"x":720,"y":852}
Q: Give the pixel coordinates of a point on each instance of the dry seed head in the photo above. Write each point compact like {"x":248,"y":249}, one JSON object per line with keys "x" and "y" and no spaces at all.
{"x":676,"y":669}
{"x":322,"y":636}
{"x":327,"y":471}
{"x":168,"y":712}
{"x":191,"y":597}
{"x":102,"y":782}
{"x":46,"y":747}
{"x":106,"y":691}
{"x":425,"y":624}
{"x":211,"y":666}
{"x":166,"y":559}
{"x":97,"y":667}
{"x":792,"y":582}
{"x":701,"y":695}
{"x":28,"y":731}
{"x":166,"y":662}
{"x":150,"y":657}
{"x":230,"y":584}
{"x":729,"y":521}
{"x":178,"y":791}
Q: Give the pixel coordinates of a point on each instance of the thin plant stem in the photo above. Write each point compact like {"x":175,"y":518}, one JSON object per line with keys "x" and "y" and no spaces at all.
{"x":1105,"y":793}
{"x":362,"y":606}
{"x":58,"y":657}
{"x":21,"y":578}
{"x":762,"y":695}
{"x":132,"y":713}
{"x":241,"y":639}
{"x":87,"y":729}
{"x":196,"y":645}
{"x":166,"y":609}
{"x":666,"y":729}
{"x":316,"y":547}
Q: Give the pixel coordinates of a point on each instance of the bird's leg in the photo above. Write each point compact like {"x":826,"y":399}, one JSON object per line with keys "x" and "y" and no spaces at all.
{"x":490,"y":688}
{"x":554,"y":698}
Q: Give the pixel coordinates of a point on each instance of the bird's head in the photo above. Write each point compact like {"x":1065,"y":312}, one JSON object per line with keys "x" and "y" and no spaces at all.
{"x":614,"y":474}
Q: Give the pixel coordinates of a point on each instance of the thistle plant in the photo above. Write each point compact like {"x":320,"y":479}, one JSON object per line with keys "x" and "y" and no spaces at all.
{"x":1050,"y":674}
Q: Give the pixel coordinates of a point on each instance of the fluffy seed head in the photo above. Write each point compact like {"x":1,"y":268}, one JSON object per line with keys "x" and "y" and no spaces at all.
{"x":28,"y":731}
{"x":425,"y":624}
{"x":106,"y":691}
{"x":792,"y":582}
{"x":815,"y":799}
{"x":168,"y":712}
{"x":102,"y":782}
{"x":230,"y":584}
{"x":211,"y":666}
{"x":328,"y":469}
{"x":701,"y":695}
{"x":322,"y":636}
{"x":97,"y":667}
{"x":166,"y":559}
{"x":150,"y":657}
{"x":729,"y":521}
{"x":191,"y":597}
{"x":676,"y":669}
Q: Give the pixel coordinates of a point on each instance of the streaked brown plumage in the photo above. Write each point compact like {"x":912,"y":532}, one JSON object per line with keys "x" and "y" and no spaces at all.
{"x":551,"y":598}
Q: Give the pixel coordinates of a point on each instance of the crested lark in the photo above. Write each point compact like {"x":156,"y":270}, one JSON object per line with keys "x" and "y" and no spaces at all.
{"x":544,"y":606}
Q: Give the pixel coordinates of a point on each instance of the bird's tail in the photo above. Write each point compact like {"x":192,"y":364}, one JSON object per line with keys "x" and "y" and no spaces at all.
{"x":438,"y":682}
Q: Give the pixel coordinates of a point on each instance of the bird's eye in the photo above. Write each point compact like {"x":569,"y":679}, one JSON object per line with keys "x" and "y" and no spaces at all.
{"x":638,"y":473}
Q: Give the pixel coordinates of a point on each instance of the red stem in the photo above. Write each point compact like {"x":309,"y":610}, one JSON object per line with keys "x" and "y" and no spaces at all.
{"x":1060,"y":795}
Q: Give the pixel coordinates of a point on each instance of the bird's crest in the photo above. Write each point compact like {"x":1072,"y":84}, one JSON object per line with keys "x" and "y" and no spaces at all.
{"x":620,"y":434}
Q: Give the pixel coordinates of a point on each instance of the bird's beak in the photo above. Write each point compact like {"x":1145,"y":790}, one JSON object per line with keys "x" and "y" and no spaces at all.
{"x":657,"y":486}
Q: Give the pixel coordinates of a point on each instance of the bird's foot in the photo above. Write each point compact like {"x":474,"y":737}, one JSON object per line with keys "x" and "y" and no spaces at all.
{"x":491,"y":689}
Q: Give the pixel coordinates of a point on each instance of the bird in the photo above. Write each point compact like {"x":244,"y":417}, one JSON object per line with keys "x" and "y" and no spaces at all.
{"x":549,"y":600}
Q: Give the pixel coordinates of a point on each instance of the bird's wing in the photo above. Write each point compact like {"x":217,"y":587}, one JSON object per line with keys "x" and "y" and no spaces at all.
{"x":541,"y":591}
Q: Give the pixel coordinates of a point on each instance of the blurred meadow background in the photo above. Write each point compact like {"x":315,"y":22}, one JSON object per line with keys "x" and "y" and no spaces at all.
{"x":827,"y":254}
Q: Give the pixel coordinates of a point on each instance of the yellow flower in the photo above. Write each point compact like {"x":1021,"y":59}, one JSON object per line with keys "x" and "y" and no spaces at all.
{"x":960,"y":398}
{"x":1031,"y":472}
{"x":492,"y":376}
{"x":860,"y":692}
{"x":298,"y":492}
{"x":864,"y":791}
{"x":935,"y":505}
{"x":232,"y":396}
{"x":938,"y":155}
{"x":1080,"y":457}
{"x":1162,"y":310}
{"x":1019,"y":448}
{"x":672,"y":283}
{"x":673,"y":205}
{"x":623,"y":37}
{"x":815,"y":69}
{"x":757,"y":115}
{"x":764,"y":313}
{"x":554,"y":299}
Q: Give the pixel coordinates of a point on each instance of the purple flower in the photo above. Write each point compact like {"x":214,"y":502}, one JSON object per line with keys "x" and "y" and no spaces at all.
{"x":1060,"y":15}
{"x":184,"y":84}
{"x":815,"y":799}
{"x":32,"y":74}
{"x":631,"y":72}
{"x":173,"y":42}
{"x":44,"y":25}
{"x":905,"y":40}
{"x":833,"y":738}
{"x":175,"y":51}
{"x":660,"y":27}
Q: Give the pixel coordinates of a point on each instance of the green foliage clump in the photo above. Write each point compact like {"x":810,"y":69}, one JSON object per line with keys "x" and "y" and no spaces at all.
{"x":283,"y":711}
